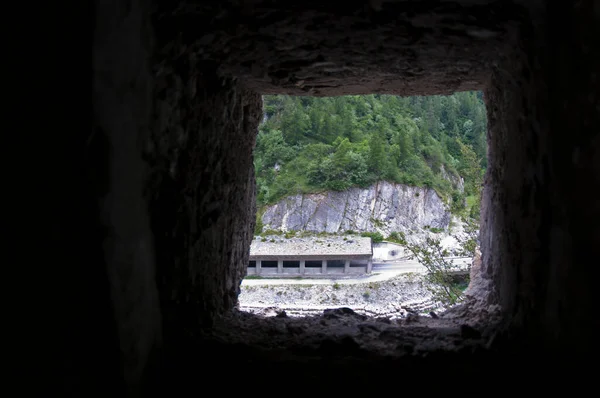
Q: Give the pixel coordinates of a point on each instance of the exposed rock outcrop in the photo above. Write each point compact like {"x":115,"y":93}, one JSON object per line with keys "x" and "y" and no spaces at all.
{"x":457,"y":181}
{"x":383,"y":207}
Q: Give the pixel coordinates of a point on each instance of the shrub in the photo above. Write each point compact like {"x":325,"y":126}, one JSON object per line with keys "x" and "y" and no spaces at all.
{"x":377,"y":223}
{"x":272,"y":232}
{"x":397,"y":237}
{"x":258,"y":228}
{"x":376,"y":237}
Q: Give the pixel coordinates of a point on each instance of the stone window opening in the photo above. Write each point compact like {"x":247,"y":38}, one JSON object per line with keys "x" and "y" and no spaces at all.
{"x":334,"y":268}
{"x":157,"y":203}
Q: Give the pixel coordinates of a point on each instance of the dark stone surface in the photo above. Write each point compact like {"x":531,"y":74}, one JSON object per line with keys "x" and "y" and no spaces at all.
{"x":317,"y":48}
{"x":150,"y":217}
{"x":538,"y":237}
{"x":200,"y":189}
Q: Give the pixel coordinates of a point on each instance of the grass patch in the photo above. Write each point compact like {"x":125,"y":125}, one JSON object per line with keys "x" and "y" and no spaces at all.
{"x":269,"y":232}
{"x":397,"y":237}
{"x":290,"y":234}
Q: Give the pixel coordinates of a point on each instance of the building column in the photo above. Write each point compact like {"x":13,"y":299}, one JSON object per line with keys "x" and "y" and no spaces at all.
{"x":324,"y":266}
{"x":302,"y":267}
{"x":280,"y":266}
{"x":369,"y":266}
{"x":347,"y":267}
{"x":258,"y":267}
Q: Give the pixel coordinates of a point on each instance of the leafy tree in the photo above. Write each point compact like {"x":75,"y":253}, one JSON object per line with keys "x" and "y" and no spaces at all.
{"x":471,"y":170}
{"x":309,"y":144}
{"x":432,"y":255}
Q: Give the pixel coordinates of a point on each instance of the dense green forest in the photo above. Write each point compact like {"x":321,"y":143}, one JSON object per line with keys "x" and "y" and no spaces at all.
{"x":308,"y":144}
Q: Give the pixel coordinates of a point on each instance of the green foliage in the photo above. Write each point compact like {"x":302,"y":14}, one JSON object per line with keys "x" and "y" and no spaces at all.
{"x":309,"y":144}
{"x":258,"y":227}
{"x":376,"y":237}
{"x":336,"y":286}
{"x":397,"y":237}
{"x":377,"y":223}
{"x":434,"y":257}
{"x":474,"y":178}
{"x":270,"y":232}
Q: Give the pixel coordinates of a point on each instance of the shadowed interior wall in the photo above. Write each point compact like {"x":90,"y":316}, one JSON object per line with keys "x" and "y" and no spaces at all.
{"x":205,"y":120}
{"x":200,"y":187}
{"x":122,"y":95}
{"x":570,"y":291}
{"x":517,"y":179}
{"x":166,"y":213}
{"x":537,"y":234}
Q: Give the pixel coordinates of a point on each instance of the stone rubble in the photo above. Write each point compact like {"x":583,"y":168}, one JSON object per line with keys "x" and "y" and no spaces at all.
{"x":395,"y":298}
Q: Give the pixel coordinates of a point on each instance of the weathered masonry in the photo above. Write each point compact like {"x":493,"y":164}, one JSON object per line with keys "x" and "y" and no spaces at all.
{"x":147,"y":213}
{"x":310,"y":256}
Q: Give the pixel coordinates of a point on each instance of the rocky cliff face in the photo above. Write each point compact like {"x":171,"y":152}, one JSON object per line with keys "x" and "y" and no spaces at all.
{"x":383,"y":207}
{"x":457,"y":181}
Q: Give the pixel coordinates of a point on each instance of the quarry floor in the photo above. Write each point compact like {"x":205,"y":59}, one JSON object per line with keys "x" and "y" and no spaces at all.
{"x":394,"y":297}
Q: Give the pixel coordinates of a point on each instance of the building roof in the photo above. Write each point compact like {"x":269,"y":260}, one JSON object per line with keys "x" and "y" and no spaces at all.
{"x":326,"y":247}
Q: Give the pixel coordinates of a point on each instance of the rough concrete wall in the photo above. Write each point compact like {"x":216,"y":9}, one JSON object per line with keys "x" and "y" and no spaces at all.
{"x":511,"y":196}
{"x":540,"y":236}
{"x":537,"y":230}
{"x":122,"y":99}
{"x":360,"y":47}
{"x":169,"y":199}
{"x":201,"y":185}
{"x":570,"y":293}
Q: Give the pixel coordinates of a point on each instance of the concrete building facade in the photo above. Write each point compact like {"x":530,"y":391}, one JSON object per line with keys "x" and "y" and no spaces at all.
{"x":316,"y":256}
